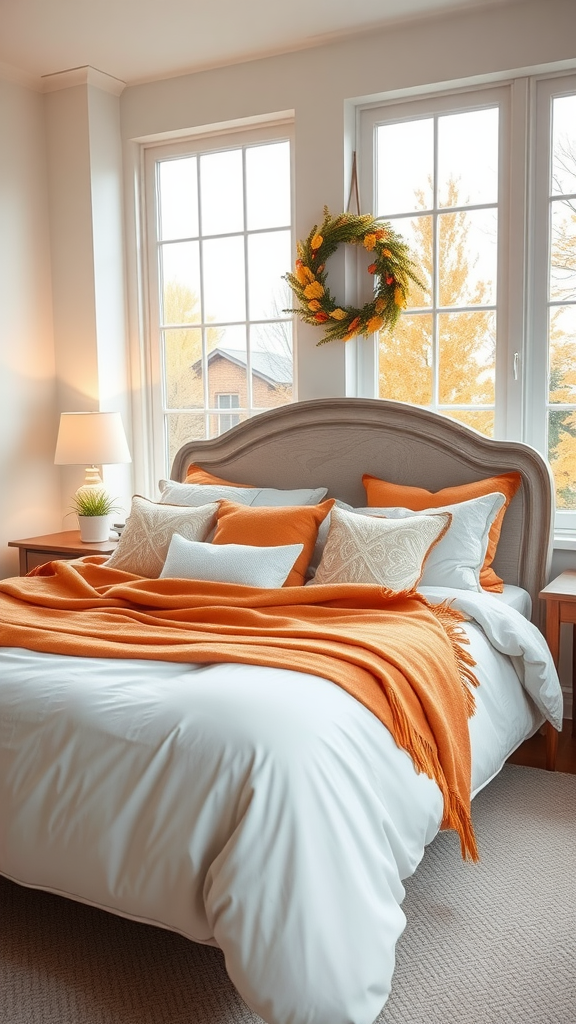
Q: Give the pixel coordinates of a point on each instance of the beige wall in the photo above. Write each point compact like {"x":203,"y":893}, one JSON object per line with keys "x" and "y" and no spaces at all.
{"x":87,"y":251}
{"x":29,"y":488}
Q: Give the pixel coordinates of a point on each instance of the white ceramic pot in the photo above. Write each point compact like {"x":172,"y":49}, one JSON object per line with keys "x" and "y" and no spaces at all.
{"x":94,"y":528}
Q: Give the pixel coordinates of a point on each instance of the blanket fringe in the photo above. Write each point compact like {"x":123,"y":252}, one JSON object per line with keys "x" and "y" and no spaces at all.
{"x":451,"y":621}
{"x":457,"y":817}
{"x":425,"y":760}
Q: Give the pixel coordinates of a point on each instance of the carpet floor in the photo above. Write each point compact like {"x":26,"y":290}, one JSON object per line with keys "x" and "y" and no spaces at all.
{"x":493,"y":942}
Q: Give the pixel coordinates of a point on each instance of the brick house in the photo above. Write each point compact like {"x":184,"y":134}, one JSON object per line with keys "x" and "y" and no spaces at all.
{"x":228,"y":383}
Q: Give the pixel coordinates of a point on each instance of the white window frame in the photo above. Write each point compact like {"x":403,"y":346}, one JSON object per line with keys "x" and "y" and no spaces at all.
{"x":506,"y":419}
{"x":544,"y":91}
{"x":216,"y":140}
{"x":525,"y":141}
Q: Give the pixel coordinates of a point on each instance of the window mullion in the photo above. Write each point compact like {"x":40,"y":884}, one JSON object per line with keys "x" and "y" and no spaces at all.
{"x":435,"y":278}
{"x":248,"y":333}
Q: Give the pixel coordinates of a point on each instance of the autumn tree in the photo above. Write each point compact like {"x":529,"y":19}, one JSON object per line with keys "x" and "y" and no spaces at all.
{"x":467,"y":340}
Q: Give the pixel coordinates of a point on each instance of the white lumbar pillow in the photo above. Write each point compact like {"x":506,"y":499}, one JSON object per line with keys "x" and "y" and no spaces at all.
{"x":242,"y":564}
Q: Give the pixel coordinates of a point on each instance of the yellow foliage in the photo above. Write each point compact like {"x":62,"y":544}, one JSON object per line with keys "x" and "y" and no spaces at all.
{"x":314,"y":290}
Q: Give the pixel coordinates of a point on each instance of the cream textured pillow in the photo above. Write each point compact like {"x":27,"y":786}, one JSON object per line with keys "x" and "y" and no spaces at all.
{"x":145,"y":539}
{"x":387,"y":552}
{"x":271,"y":497}
{"x":230,"y":563}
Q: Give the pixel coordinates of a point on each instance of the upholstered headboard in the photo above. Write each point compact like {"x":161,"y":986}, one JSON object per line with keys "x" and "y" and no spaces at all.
{"x":331,"y":442}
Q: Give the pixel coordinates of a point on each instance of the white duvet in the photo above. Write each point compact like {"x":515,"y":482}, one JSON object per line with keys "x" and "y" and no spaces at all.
{"x":261,"y":810}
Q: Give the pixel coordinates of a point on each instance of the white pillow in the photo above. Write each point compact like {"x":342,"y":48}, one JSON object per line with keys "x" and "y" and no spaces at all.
{"x":245,"y":564}
{"x":386,"y":552}
{"x":458,"y":557}
{"x":200,"y":494}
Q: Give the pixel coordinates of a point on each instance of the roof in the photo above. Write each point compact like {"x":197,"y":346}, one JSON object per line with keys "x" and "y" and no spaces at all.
{"x":269,"y":366}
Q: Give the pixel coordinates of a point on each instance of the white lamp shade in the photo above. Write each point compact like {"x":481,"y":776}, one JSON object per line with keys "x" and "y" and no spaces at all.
{"x":91,"y":439}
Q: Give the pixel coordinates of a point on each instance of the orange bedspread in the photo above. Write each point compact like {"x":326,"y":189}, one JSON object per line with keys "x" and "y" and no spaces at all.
{"x":399,"y":656}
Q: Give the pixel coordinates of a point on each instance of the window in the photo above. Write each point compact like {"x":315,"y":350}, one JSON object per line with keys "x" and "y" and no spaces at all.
{"x":220,"y":241}
{"x":227,"y":420}
{"x":488,"y":208}
{"x":439,"y":181}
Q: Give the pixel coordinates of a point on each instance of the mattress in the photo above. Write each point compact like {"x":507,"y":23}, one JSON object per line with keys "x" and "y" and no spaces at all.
{"x":515,"y":597}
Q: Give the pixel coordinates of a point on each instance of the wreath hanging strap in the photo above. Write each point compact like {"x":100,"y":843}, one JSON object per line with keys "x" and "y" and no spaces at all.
{"x":392,"y":268}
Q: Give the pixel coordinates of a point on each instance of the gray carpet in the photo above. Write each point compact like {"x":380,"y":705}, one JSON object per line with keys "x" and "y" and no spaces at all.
{"x":493,"y":943}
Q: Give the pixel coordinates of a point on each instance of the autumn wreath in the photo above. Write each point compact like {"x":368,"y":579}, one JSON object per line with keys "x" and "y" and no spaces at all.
{"x":392,"y":268}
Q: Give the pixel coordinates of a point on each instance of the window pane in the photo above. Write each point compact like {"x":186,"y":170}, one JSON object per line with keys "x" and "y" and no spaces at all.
{"x":221,"y":192}
{"x":405,"y":360}
{"x":183,"y":427}
{"x":219,"y":423}
{"x":467,"y":350}
{"x":468,"y":158}
{"x":232,"y":339}
{"x":178,"y":187}
{"x":183,"y":378}
{"x":467,"y":258}
{"x":272,"y":364}
{"x":268,"y":258}
{"x":563,"y":252}
{"x":562,"y":455}
{"x":180,"y":274}
{"x":482,"y":421}
{"x":227,"y":401}
{"x":224,"y":289}
{"x":562,"y":346}
{"x":405,"y":166}
{"x":564,"y":145}
{"x":268,"y":186}
{"x":417,"y":232}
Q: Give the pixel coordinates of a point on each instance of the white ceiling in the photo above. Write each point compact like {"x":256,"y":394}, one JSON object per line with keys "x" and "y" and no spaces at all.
{"x":142,"y":40}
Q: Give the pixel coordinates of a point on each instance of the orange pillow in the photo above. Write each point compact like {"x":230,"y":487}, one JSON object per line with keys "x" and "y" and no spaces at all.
{"x":263,"y":526}
{"x":197,"y":475}
{"x":383,"y":494}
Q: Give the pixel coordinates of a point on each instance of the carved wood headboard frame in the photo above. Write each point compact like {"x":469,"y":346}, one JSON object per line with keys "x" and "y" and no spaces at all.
{"x":331,"y":442}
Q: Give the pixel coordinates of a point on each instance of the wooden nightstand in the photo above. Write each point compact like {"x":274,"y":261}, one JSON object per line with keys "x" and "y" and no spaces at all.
{"x":560,"y":598}
{"x":35,"y":551}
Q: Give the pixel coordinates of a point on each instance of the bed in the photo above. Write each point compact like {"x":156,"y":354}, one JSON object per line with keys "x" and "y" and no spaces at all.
{"x":262,"y":808}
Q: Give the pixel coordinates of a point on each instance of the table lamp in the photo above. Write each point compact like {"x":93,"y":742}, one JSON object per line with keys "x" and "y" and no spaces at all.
{"x":91,"y":439}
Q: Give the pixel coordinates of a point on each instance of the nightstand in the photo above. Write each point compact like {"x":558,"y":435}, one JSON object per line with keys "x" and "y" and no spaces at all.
{"x":36,"y":551}
{"x":560,"y":598}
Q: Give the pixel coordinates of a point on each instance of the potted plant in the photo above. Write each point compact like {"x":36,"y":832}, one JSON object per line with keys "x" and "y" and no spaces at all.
{"x":93,"y":507}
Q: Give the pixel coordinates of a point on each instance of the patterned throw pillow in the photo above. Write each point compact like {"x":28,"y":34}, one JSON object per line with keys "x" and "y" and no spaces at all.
{"x":145,"y":539}
{"x":387,"y":552}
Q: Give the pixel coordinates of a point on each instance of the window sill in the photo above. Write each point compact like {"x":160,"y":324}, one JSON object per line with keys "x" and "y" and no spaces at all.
{"x":564,"y":540}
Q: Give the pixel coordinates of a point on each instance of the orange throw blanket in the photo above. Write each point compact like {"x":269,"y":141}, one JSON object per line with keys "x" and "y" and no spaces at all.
{"x":399,"y":656}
